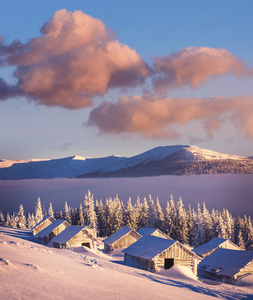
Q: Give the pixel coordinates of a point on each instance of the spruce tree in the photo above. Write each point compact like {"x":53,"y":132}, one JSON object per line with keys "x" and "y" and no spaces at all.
{"x":81,"y":219}
{"x":38,"y":212}
{"x":2,"y":219}
{"x":151,"y":215}
{"x":50,"y":210}
{"x":66,"y":213}
{"x":129,"y":215}
{"x":181,"y":223}
{"x":90,"y":218}
{"x":159,"y":223}
{"x":21,"y":218}
{"x":8,"y":220}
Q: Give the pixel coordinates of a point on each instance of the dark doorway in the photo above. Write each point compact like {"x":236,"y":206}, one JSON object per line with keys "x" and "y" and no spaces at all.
{"x":86,"y":245}
{"x":168,"y":263}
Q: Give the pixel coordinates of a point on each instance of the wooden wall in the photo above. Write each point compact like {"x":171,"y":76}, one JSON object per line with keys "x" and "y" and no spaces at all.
{"x":41,"y":226}
{"x":126,"y":240}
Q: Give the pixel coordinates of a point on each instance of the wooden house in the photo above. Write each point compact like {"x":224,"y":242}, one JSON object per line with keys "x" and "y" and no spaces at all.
{"x":226,"y":265}
{"x":124,"y":237}
{"x":216,"y":243}
{"x":151,"y":252}
{"x":48,"y":233}
{"x":42,"y":224}
{"x":76,"y":236}
{"x":154,"y":232}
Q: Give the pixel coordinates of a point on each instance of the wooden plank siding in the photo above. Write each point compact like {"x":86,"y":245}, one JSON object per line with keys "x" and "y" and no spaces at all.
{"x":39,"y":227}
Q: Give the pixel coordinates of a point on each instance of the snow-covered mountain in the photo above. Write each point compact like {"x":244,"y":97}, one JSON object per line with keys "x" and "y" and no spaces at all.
{"x":163,"y":160}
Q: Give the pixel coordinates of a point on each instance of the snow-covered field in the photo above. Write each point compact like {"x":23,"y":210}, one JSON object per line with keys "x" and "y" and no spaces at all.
{"x":234,"y":192}
{"x":32,"y":271}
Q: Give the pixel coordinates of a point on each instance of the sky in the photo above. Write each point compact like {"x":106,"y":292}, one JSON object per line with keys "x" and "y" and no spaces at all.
{"x":97,"y":78}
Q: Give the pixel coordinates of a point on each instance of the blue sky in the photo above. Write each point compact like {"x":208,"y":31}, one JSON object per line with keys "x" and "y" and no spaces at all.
{"x":154,"y":29}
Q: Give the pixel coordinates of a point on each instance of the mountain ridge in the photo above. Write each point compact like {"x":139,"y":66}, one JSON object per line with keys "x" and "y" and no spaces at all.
{"x":162,"y":160}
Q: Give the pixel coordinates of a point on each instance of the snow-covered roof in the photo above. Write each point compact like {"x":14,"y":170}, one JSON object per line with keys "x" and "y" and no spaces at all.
{"x":117,"y":235}
{"x":209,"y":246}
{"x":226,"y":262}
{"x":50,"y":228}
{"x":146,"y":231}
{"x":149,"y":247}
{"x":67,"y":234}
{"x":43,"y":220}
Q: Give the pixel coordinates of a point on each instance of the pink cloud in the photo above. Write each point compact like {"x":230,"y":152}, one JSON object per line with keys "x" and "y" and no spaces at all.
{"x":192,"y":66}
{"x":74,"y":59}
{"x":154,"y":117}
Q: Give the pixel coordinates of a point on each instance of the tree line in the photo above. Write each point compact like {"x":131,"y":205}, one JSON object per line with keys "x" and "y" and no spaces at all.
{"x":189,"y":226}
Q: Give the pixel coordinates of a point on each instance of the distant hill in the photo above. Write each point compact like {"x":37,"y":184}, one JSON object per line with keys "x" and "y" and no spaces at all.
{"x":163,"y":160}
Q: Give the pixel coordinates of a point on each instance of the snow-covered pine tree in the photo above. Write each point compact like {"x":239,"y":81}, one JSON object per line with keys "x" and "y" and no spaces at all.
{"x":221,"y":228}
{"x":38,"y":212}
{"x":130,"y":216}
{"x":229,"y":226}
{"x":118,"y":215}
{"x":21,"y":218}
{"x":30,"y":222}
{"x":190,"y":224}
{"x":249,"y":235}
{"x":207,"y":223}
{"x":14,"y":220}
{"x":143,"y":219}
{"x":199,"y":235}
{"x":181,"y":223}
{"x":108,"y":217}
{"x":66,"y":213}
{"x":167,"y":219}
{"x":99,"y":209}
{"x":81,"y":219}
{"x":44,"y":211}
{"x":50,"y":210}
{"x":8,"y":220}
{"x":159,"y":223}
{"x":2,"y":219}
{"x":173,"y":216}
{"x":151,"y":215}
{"x":137,"y":208}
{"x":89,"y":214}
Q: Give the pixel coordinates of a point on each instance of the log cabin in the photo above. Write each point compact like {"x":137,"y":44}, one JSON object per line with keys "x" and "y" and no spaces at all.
{"x":124,"y":237}
{"x":226,"y":265}
{"x":216,"y":243}
{"x":153,"y":231}
{"x":75,"y":236}
{"x":48,"y":233}
{"x":42,"y":224}
{"x":151,"y":252}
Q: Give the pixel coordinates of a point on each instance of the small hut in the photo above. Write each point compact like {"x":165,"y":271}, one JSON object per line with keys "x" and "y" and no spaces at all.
{"x":216,"y":243}
{"x":42,"y":224}
{"x":151,"y":252}
{"x":76,"y":236}
{"x":226,"y":265}
{"x":154,"y":232}
{"x":124,"y":237}
{"x":48,"y":233}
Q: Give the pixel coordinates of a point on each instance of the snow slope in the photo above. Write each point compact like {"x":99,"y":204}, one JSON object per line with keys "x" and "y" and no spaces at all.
{"x":68,"y":167}
{"x":32,"y":271}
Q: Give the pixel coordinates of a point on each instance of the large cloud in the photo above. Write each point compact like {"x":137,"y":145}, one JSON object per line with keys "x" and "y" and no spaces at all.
{"x":74,"y":59}
{"x":153,"y":117}
{"x":191,"y":66}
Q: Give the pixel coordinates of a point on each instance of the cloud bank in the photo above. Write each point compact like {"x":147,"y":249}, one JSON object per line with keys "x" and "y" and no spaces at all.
{"x":192,"y":66}
{"x":154,"y":117}
{"x":77,"y":58}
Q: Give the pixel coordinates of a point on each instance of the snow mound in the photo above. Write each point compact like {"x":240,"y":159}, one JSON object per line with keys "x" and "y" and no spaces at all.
{"x":246,"y":281}
{"x":178,"y":272}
